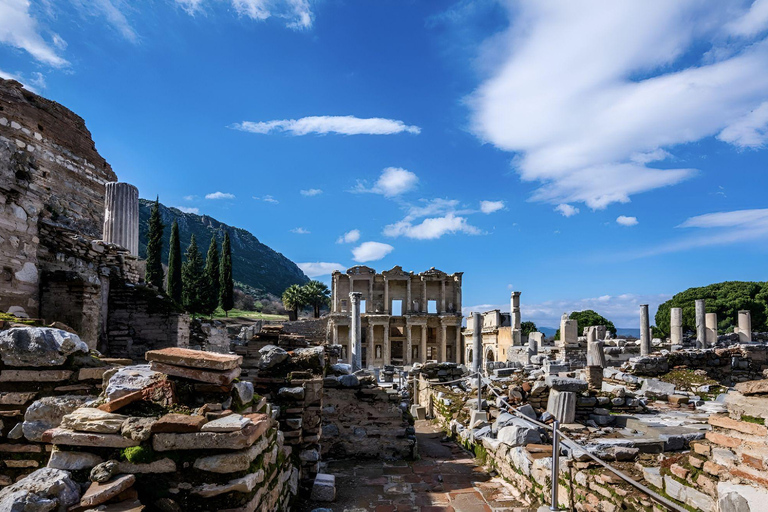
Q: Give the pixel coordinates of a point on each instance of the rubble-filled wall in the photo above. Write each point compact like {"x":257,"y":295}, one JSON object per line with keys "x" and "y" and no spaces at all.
{"x":49,"y":169}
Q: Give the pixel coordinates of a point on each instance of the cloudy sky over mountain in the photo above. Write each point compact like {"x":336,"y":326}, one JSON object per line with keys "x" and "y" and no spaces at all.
{"x":592,"y":153}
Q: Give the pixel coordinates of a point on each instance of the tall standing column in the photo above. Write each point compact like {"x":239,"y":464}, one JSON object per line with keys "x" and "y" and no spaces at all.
{"x":514,"y":307}
{"x":701,"y":323}
{"x":409,"y":299}
{"x":408,"y":344}
{"x":121,"y":216}
{"x":710,"y":320}
{"x":423,"y":348}
{"x":387,"y":345}
{"x":645,"y":331}
{"x":370,"y":353}
{"x":745,"y":326}
{"x":387,"y":309}
{"x":459,"y":349}
{"x":477,"y":342}
{"x":425,"y":302}
{"x":443,"y":343}
{"x":356,"y":332}
{"x":676,"y":326}
{"x":442,"y":296}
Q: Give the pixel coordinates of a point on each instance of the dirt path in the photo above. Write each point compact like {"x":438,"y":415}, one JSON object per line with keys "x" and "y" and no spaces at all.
{"x":445,"y":479}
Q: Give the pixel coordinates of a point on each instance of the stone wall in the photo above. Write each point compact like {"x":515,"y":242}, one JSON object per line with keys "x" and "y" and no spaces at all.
{"x":49,"y":170}
{"x":314,"y":330}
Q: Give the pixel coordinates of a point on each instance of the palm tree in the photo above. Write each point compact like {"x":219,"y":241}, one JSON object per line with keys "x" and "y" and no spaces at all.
{"x":317,"y":295}
{"x":294,"y":300}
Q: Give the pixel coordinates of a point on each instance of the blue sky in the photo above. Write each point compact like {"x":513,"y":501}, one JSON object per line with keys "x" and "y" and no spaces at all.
{"x":589,"y":154}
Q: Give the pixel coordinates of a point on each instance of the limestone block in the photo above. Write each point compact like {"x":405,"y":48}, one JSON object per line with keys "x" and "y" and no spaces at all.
{"x":214,"y":440}
{"x":566,"y":384}
{"x":518,"y":432}
{"x":99,"y":493}
{"x":178,"y":423}
{"x":231,"y":423}
{"x":88,"y":419}
{"x":129,"y":379}
{"x":45,"y":489}
{"x":324,"y":488}
{"x":157,"y":466}
{"x":34,"y":375}
{"x":271,"y":356}
{"x":71,"y":438}
{"x":194,"y":358}
{"x":232,"y":462}
{"x":562,"y":405}
{"x":222,"y":378}
{"x":73,"y":461}
{"x":39,"y":346}
{"x":653,"y":387}
{"x":47,"y":413}
{"x":245,"y":484}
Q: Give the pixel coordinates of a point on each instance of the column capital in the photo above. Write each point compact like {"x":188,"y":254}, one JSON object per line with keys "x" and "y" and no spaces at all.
{"x":355,"y":296}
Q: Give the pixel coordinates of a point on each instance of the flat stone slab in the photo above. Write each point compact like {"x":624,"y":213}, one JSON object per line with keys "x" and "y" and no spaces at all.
{"x":71,"y":438}
{"x":178,"y":423}
{"x":162,"y":442}
{"x":223,"y":378}
{"x":99,"y":493}
{"x":194,"y":358}
{"x":755,"y":387}
{"x":35,"y":375}
{"x":89,"y":419}
{"x":231,"y":423}
{"x":16,"y":398}
{"x":567,"y":384}
{"x":73,"y":461}
{"x":130,"y":379}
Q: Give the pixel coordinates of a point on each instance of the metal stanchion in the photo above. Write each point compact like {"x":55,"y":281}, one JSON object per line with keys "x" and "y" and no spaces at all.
{"x":555,"y":463}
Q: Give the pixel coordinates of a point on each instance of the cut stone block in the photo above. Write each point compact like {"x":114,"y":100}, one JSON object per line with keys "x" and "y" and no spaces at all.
{"x":214,"y":440}
{"x":223,"y":378}
{"x":194,"y":358}
{"x":231,"y":423}
{"x":89,"y":419}
{"x":35,"y":375}
{"x":178,"y":423}
{"x":70,"y":438}
{"x":324,"y":488}
{"x":73,"y":461}
{"x":562,"y":405}
{"x":99,"y":493}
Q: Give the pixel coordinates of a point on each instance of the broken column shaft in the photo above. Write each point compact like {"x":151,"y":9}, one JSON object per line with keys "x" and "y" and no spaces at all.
{"x":676,"y":326}
{"x":645,"y":331}
{"x":121,"y":216}
{"x":701,"y":323}
{"x":745,"y":326}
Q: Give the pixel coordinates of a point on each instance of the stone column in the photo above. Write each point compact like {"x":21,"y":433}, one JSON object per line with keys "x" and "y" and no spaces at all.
{"x":355,"y":332}
{"x":387,"y":346}
{"x":121,"y":216}
{"x":371,"y":352}
{"x":369,"y":307}
{"x":459,"y":349}
{"x":387,"y":309}
{"x":335,"y":288}
{"x":408,"y":344}
{"x":514,"y":308}
{"x":477,"y":342}
{"x":701,"y":323}
{"x":562,"y":405}
{"x":745,"y":326}
{"x":645,"y":331}
{"x":409,"y":299}
{"x":710,"y":323}
{"x":442,"y":296}
{"x":676,"y":326}
{"x":457,"y":287}
{"x":423,"y":348}
{"x":443,"y":343}
{"x":335,"y":334}
{"x":425,"y":302}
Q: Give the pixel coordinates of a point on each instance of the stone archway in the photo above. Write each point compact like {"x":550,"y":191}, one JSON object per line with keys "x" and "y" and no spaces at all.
{"x":490,"y":356}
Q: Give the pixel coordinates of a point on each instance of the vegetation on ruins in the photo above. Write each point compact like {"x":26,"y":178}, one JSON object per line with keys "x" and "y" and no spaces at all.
{"x":226,"y":283}
{"x":154,"y":272}
{"x":726,"y":299}
{"x":174,"y":285}
{"x":294,"y":299}
{"x":588,"y":318}
{"x":527,"y":328}
{"x":317,"y":295}
{"x":192,"y":278}
{"x":211,"y":277}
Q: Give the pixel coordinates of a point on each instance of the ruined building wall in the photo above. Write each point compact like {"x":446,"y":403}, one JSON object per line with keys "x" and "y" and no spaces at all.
{"x":49,"y":170}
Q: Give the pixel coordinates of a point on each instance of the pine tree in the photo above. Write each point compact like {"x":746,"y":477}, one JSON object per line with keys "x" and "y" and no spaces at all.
{"x":226,"y":282}
{"x":174,"y":287}
{"x":154,"y":272}
{"x":211,"y":277}
{"x":193,"y":279}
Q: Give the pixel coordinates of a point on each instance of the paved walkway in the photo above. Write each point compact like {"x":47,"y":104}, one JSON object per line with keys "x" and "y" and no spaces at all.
{"x":445,"y":479}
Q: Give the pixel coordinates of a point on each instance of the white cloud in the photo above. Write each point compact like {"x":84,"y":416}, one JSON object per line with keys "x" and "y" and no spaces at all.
{"x":269,"y":199}
{"x":300,"y":231}
{"x":623,"y":310}
{"x":219,"y":195}
{"x":296,"y":13}
{"x":588,"y":93}
{"x":323,"y":125}
{"x":491,"y":206}
{"x":431,"y":228}
{"x":392,"y":182}
{"x":311,"y":192}
{"x":371,"y":251}
{"x":19,"y":29}
{"x":567,"y":210}
{"x":319,"y":268}
{"x":751,"y":131}
{"x":187,"y":209}
{"x":112,"y":12}
{"x":190,"y":198}
{"x":31,"y":84}
{"x":191,"y":6}
{"x":626,"y":221}
{"x":350,"y":237}
{"x":733,"y":219}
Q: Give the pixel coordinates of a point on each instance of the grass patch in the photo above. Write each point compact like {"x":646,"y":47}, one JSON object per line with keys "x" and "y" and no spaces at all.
{"x":251,"y":315}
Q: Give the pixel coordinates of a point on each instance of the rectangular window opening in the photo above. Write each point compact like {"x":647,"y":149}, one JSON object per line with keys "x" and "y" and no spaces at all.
{"x":397,"y":308}
{"x":432,"y":306}
{"x":362,"y":306}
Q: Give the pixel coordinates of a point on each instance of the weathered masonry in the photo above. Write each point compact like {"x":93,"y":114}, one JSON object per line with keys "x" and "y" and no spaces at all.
{"x":406,"y":317}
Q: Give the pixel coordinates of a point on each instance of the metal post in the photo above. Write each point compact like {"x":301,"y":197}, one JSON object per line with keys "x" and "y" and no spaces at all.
{"x":555,"y":463}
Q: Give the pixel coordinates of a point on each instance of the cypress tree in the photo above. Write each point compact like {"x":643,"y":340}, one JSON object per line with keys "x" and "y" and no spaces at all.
{"x":211,"y":277}
{"x":174,"y":287}
{"x":154,"y":272}
{"x":226,"y":282}
{"x":193,"y":280}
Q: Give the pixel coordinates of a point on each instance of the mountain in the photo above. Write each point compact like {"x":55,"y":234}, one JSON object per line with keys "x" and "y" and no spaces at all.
{"x":253,"y":263}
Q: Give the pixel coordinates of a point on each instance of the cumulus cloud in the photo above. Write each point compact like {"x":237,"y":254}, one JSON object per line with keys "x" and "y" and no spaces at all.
{"x":623,"y":310}
{"x":588,"y":95}
{"x":300,"y":231}
{"x":187,"y":209}
{"x":350,"y":237}
{"x":626,"y":221}
{"x":19,"y":29}
{"x":393,"y":181}
{"x":323,"y":125}
{"x":432,"y":219}
{"x":296,"y":13}
{"x":311,"y":192}
{"x":371,"y":251}
{"x":219,"y":195}
{"x":566,"y":210}
{"x":491,"y":206}
{"x":319,"y":268}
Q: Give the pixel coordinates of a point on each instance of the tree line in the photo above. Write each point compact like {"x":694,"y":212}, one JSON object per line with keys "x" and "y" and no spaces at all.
{"x":314,"y":294}
{"x":198,"y":285}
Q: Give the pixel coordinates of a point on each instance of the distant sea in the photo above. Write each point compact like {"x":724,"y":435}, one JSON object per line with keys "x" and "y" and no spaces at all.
{"x":620,"y":332}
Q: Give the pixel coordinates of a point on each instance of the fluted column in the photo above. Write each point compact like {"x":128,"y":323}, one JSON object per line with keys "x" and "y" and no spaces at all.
{"x":121,"y":216}
{"x":355,"y":332}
